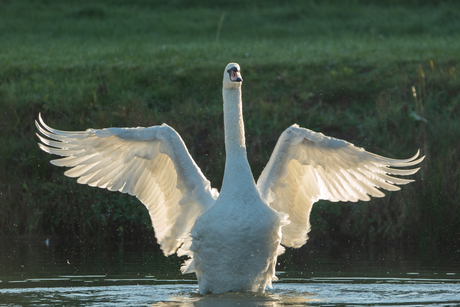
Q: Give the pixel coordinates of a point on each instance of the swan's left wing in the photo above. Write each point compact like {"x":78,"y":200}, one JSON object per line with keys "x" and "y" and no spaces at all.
{"x":151,"y":163}
{"x":307,"y":166}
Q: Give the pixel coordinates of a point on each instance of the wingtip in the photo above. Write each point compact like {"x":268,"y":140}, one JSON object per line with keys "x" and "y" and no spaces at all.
{"x":422,"y":158}
{"x":44,"y":148}
{"x":415,"y":162}
{"x":414,"y":156}
{"x":417,"y":155}
{"x":37,"y":123}
{"x":42,"y":122}
{"x":40,"y":119}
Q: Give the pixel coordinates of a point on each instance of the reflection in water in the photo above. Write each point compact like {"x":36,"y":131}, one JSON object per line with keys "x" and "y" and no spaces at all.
{"x":37,"y":274}
{"x":430,"y":293}
{"x":269,"y":299}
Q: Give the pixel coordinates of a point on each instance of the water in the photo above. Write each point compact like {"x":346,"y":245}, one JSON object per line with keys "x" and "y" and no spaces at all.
{"x":34,"y":274}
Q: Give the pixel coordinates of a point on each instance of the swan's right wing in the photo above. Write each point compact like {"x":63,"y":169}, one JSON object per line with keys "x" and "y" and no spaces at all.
{"x":307,"y":166}
{"x":152,"y":164}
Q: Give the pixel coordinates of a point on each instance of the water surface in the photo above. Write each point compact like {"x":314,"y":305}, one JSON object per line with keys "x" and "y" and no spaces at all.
{"x":38,"y":274}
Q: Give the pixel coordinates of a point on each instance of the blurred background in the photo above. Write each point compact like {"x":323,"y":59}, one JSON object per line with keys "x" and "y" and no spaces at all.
{"x":380,"y":74}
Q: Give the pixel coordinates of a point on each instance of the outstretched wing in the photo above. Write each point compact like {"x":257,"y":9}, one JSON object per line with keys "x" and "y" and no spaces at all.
{"x":152,"y":164}
{"x":307,"y":166}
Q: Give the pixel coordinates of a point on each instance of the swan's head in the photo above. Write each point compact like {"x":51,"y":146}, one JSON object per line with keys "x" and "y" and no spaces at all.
{"x":232,"y":76}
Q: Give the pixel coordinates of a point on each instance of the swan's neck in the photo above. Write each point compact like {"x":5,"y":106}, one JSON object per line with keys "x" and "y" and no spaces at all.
{"x":235,"y":143}
{"x":237,"y":170}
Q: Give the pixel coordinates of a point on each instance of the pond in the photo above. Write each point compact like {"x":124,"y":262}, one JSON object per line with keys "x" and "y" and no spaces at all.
{"x":40,"y":272}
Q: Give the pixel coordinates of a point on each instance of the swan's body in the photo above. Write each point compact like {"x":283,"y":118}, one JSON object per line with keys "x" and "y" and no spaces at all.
{"x":232,"y":239}
{"x":235,"y":242}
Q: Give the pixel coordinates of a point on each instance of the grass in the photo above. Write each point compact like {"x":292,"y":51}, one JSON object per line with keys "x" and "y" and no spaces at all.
{"x":346,"y":70}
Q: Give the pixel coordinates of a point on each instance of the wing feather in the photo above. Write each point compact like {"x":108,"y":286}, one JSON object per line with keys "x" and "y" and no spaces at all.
{"x":307,"y":166}
{"x":152,"y":164}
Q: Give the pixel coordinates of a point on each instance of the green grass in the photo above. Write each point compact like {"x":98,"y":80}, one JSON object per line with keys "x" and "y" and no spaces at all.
{"x":346,"y":70}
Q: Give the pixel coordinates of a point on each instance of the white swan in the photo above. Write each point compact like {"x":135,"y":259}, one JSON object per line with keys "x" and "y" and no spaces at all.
{"x":233,"y":238}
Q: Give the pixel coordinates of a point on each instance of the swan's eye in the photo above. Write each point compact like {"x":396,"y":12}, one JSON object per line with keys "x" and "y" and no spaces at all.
{"x":235,"y":75}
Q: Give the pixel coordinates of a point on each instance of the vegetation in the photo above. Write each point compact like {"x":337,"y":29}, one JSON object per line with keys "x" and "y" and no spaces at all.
{"x":382,"y":76}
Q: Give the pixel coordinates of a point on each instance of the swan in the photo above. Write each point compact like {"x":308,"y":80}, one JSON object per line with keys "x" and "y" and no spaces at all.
{"x":233,"y":238}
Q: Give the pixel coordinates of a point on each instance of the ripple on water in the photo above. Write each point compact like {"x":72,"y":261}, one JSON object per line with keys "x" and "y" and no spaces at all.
{"x":319,"y":291}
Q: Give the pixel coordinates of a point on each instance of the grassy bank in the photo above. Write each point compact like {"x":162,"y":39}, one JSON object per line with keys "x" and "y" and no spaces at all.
{"x":349,"y":71}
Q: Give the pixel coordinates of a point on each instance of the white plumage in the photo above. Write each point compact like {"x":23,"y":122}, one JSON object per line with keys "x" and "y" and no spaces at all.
{"x":233,"y":238}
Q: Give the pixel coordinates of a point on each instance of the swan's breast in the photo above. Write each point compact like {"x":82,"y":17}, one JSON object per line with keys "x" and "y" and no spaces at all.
{"x":236,"y":230}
